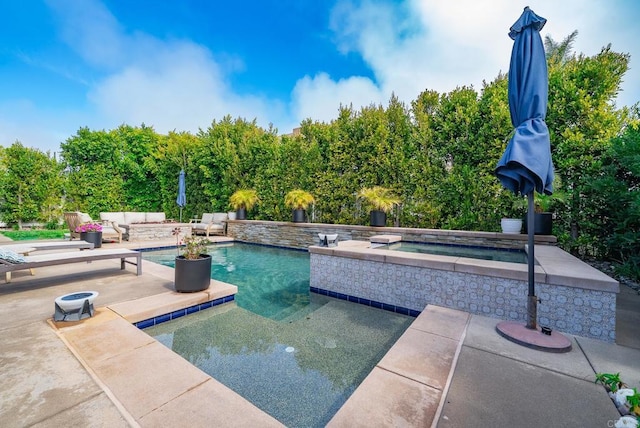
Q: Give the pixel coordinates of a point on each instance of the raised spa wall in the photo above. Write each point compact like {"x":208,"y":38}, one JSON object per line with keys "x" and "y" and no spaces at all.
{"x":574,"y":297}
{"x":303,"y":235}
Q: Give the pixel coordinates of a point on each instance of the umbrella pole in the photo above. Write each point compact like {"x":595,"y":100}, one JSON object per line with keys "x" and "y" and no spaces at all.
{"x":532,"y":300}
{"x":180,"y":214}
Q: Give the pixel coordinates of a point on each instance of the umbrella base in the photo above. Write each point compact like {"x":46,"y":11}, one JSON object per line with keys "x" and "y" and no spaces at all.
{"x":534,"y":339}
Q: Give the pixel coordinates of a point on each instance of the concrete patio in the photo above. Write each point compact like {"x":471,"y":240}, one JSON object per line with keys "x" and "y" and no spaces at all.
{"x":450,"y":369}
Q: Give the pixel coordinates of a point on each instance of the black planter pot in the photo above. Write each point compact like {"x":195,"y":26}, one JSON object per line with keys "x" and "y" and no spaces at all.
{"x":92,"y":237}
{"x":378,"y":218}
{"x":241,"y":214}
{"x":192,"y":275}
{"x":299,"y":216}
{"x":543,"y":224}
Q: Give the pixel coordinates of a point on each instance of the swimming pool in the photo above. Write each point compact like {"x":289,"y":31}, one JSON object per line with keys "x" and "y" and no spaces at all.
{"x":484,"y":253}
{"x":296,"y":355}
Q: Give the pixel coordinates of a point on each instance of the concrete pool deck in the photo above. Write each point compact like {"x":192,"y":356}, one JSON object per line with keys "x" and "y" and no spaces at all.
{"x":492,"y":382}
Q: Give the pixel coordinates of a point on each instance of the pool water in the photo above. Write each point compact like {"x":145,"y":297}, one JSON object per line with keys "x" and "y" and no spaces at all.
{"x":484,"y":253}
{"x":296,"y":355}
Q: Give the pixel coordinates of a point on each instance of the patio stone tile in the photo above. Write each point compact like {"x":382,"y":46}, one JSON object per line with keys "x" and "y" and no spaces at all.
{"x":97,"y":411}
{"x":209,"y":404}
{"x":160,"y":304}
{"x":424,"y":357}
{"x":59,"y":383}
{"x":387,"y":400}
{"x":144,"y":379}
{"x":99,"y":342}
{"x":482,"y":334}
{"x":445,"y":322}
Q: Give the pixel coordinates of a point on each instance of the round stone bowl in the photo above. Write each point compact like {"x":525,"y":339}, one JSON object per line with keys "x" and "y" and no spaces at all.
{"x":74,"y":301}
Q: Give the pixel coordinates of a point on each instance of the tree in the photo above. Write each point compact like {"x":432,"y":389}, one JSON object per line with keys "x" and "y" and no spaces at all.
{"x":560,"y":52}
{"x":31,"y":186}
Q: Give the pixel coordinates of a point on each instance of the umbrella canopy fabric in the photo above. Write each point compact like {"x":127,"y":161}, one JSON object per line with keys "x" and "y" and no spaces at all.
{"x":182,"y":196}
{"x":181,"y":200}
{"x":526,"y":164}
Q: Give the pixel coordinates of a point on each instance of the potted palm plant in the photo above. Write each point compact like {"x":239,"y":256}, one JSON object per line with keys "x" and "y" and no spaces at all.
{"x":543,"y":216}
{"x":243,"y":200}
{"x":298,"y":200}
{"x":193,"y":267}
{"x":382,"y":200}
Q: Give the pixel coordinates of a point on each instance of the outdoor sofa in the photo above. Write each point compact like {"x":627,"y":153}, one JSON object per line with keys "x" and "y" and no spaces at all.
{"x":124,"y":219}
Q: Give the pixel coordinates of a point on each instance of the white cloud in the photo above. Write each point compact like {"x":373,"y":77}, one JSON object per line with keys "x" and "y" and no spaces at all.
{"x":319,"y":97}
{"x":167,"y":84}
{"x":431,"y":44}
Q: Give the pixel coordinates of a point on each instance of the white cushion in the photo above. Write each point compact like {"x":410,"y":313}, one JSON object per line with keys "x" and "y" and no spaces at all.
{"x":218,"y":218}
{"x":11,"y":256}
{"x":133,"y":217}
{"x":155,"y":217}
{"x":206,"y":218}
{"x":108,"y":230}
{"x":118,"y":217}
{"x":84,"y":218}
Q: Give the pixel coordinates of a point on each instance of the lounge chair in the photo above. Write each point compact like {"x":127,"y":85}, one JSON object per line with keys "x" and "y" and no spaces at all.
{"x":53,"y":259}
{"x":48,"y":245}
{"x":210,"y":223}
{"x":27,"y":247}
{"x":110,"y":229}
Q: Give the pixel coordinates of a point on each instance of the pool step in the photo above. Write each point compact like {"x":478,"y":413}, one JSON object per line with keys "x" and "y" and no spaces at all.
{"x":406,"y":387}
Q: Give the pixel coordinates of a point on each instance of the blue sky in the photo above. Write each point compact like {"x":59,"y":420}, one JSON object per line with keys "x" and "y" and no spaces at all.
{"x":179,"y":65}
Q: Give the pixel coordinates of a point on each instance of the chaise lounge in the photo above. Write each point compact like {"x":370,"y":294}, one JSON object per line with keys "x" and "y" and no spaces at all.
{"x":11,"y":264}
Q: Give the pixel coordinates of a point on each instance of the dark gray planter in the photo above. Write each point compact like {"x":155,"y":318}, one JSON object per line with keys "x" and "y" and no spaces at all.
{"x":192,"y":275}
{"x":241,"y":214}
{"x":299,"y":216}
{"x":543,"y":224}
{"x":92,"y":237}
{"x":378,"y":218}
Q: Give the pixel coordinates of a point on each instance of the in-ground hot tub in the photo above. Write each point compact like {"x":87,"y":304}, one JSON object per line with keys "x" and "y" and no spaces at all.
{"x":575,"y":298}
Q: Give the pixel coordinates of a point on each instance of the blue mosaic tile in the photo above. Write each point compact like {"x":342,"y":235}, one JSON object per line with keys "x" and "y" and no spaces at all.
{"x":229,"y":298}
{"x":217,"y":302}
{"x":179,"y":313}
{"x":193,"y":309}
{"x":367,"y":302}
{"x":145,"y":323}
{"x":401,"y":310}
{"x":162,"y":318}
{"x":205,"y":305}
{"x":388,"y":307}
{"x":376,"y":304}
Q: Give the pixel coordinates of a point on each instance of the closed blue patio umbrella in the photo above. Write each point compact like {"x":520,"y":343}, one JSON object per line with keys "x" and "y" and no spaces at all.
{"x":181,"y":200}
{"x":526,"y":164}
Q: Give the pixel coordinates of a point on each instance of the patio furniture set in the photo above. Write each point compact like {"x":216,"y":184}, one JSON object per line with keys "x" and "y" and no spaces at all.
{"x":141,"y":226}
